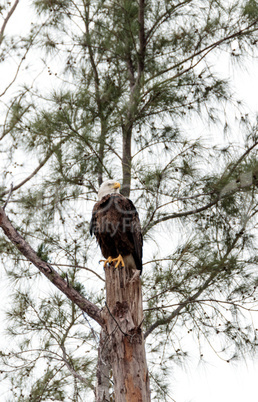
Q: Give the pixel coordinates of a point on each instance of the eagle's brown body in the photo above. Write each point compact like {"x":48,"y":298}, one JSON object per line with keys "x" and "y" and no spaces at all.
{"x":116,"y":225}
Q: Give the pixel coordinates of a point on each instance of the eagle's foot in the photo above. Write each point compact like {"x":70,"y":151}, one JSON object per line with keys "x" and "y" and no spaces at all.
{"x":119,"y":260}
{"x":108,"y":261}
{"x":114,"y":261}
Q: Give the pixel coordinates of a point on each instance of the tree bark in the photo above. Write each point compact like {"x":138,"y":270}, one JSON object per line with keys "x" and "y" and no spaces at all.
{"x":124,"y":316}
{"x":9,"y":14}
{"x":126,"y":161}
{"x":103,"y":368}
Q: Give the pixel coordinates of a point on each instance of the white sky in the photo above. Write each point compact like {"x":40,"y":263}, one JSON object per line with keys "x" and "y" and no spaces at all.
{"x":217,"y":380}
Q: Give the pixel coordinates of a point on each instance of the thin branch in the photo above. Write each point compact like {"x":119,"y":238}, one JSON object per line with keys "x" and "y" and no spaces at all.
{"x":164,"y":17}
{"x":49,"y":154}
{"x":164,"y":392}
{"x":16,"y":73}
{"x":206,"y":49}
{"x":81,"y":267}
{"x":221,"y":195}
{"x":23,"y":58}
{"x":91,"y":328}
{"x":10,"y":13}
{"x":176,"y":312}
{"x":148,"y":226}
{"x":118,"y":326}
{"x":242,"y":157}
{"x":9,"y":196}
{"x":203,"y":301}
{"x":99,"y":101}
{"x":142,"y":39}
{"x":70,"y":367}
{"x":91,"y":148}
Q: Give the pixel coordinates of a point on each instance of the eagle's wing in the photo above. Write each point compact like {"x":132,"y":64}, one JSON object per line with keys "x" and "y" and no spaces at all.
{"x":93,"y":223}
{"x":136,"y":233}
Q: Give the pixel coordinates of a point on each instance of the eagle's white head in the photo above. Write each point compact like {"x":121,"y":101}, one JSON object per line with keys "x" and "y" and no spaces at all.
{"x":108,"y":187}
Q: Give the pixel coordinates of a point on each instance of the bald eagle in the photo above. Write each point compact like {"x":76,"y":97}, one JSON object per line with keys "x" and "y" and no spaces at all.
{"x":116,"y":225}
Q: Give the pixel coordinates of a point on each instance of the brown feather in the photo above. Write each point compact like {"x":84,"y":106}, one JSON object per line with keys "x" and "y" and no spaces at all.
{"x":116,"y":225}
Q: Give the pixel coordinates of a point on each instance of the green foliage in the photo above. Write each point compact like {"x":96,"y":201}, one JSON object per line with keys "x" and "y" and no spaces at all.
{"x":52,"y":6}
{"x":43,"y":252}
{"x":62,"y":336}
{"x":250,"y":9}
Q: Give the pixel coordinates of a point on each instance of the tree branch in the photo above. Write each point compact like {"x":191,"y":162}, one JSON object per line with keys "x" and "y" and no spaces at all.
{"x":70,"y":367}
{"x":99,"y":101}
{"x":142,"y":39}
{"x":205,"y":49}
{"x":80,"y":267}
{"x":49,"y":154}
{"x":179,"y":215}
{"x":85,"y":305}
{"x":208,"y":300}
{"x":27,"y":49}
{"x":164,"y":17}
{"x":9,"y":196}
{"x":10,"y":13}
{"x":176,"y":312}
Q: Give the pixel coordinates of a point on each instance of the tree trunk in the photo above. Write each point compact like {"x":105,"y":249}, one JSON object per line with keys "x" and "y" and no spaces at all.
{"x":103,"y":369}
{"x":126,"y":161}
{"x":124,"y":316}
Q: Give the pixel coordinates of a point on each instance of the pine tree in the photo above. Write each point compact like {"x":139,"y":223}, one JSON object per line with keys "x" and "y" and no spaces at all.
{"x":111,"y":91}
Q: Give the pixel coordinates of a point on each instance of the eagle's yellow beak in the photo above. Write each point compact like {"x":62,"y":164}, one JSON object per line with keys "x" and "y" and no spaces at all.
{"x":116,"y":185}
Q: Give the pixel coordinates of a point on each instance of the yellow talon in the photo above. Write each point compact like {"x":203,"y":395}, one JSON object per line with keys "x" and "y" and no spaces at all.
{"x":108,"y":261}
{"x":119,"y":260}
